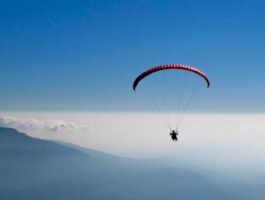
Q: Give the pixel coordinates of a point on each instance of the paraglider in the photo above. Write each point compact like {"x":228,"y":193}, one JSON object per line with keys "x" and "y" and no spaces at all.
{"x":165,"y":112}
{"x":174,"y":134}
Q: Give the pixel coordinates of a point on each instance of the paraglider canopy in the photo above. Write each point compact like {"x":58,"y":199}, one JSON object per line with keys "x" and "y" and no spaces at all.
{"x":167,"y":67}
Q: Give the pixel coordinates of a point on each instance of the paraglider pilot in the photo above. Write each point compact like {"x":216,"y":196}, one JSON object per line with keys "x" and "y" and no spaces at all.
{"x":174,"y":134}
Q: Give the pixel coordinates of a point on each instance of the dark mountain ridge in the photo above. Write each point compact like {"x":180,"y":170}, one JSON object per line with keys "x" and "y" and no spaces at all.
{"x":32,"y":168}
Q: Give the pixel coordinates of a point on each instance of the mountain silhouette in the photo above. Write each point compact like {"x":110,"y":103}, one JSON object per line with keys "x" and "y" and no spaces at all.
{"x":32,"y":168}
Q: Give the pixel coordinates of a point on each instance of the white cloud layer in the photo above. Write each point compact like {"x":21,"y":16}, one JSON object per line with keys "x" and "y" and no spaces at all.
{"x":35,"y":127}
{"x":229,"y":143}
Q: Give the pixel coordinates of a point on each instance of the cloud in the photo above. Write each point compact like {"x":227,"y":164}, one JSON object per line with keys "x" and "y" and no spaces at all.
{"x":33,"y":126}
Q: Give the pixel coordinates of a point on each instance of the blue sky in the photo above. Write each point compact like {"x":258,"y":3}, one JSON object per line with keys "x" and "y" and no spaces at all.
{"x":84,"y":55}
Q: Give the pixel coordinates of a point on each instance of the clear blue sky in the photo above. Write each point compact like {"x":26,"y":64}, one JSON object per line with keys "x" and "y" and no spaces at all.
{"x":84,"y":55}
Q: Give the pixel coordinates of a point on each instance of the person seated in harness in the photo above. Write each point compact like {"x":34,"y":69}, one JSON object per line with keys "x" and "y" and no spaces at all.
{"x":174,"y":134}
